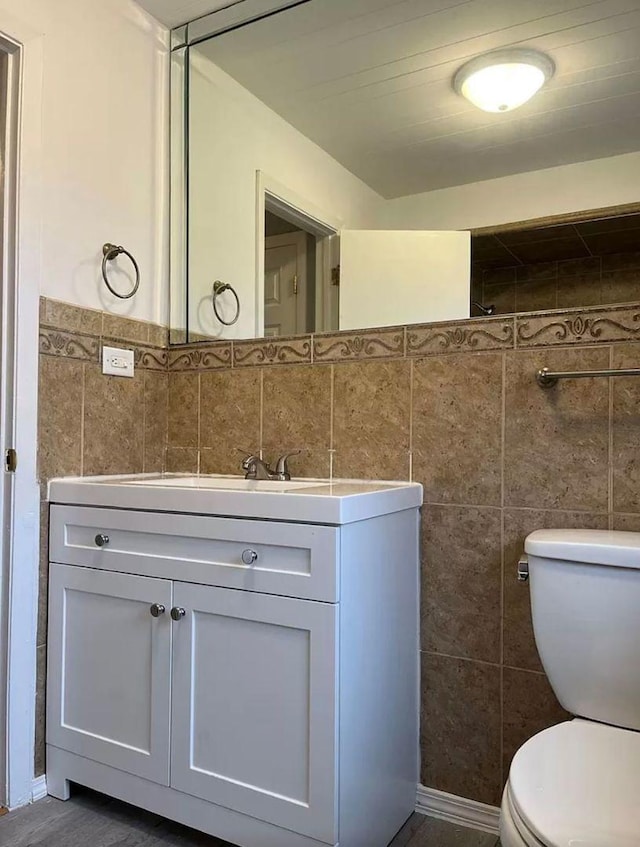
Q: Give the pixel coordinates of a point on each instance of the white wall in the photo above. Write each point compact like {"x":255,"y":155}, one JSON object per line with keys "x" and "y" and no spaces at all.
{"x":104,"y":154}
{"x":555,"y":191}
{"x":233,"y":135}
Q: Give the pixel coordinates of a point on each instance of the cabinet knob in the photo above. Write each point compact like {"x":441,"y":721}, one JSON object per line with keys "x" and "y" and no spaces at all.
{"x":157,"y":609}
{"x":177,"y":612}
{"x":101,"y":539}
{"x":249,"y":556}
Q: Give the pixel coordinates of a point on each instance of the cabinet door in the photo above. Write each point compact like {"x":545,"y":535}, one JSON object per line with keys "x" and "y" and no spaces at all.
{"x":254,"y":706}
{"x":110,"y":669}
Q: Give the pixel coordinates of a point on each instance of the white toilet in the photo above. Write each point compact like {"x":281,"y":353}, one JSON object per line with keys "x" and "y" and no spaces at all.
{"x":577,"y":784}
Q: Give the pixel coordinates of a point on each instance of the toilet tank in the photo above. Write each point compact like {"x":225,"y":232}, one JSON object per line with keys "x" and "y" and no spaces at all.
{"x":585,"y":604}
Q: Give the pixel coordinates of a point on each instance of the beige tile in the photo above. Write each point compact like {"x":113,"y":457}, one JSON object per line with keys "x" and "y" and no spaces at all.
{"x":537,"y":271}
{"x":461,"y":581}
{"x":182,"y":460}
{"x":501,"y":297}
{"x":156,"y":408}
{"x":460,"y":728}
{"x":71,"y":318}
{"x":591,"y":267}
{"x":296,"y":408}
{"x":59,"y":417}
{"x":535,"y":295}
{"x":519,"y":645}
{"x":457,"y":428}
{"x":41,"y":684}
{"x":126,"y":329}
{"x":281,"y":351}
{"x":556,"y":439}
{"x":200,"y":357}
{"x":376,"y":344}
{"x":499,"y":276}
{"x":158,"y":335}
{"x":529,"y":707}
{"x":583,"y":326}
{"x":460,"y":337}
{"x":370,"y":463}
{"x":372,"y":407}
{"x":621,"y":261}
{"x":113,"y":423}
{"x":621,"y":286}
{"x":625,"y":429}
{"x":626,"y":523}
{"x":183,"y":410}
{"x":580,"y":290}
{"x":53,"y":342}
{"x":229,"y":417}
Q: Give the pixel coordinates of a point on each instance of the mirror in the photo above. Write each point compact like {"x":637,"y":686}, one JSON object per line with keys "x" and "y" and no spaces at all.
{"x":297,"y":131}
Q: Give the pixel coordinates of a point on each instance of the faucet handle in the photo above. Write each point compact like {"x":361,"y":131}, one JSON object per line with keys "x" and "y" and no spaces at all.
{"x":282,"y":465}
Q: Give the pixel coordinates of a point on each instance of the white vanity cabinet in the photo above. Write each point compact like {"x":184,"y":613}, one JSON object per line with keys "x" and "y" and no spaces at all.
{"x":254,"y":679}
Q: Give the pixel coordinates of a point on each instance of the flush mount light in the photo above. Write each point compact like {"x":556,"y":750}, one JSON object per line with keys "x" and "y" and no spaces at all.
{"x":503,"y":80}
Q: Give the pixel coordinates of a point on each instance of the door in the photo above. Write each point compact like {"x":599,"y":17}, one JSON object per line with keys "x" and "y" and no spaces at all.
{"x":391,"y":278}
{"x":254,"y":706}
{"x":285,"y":284}
{"x":109,"y":669}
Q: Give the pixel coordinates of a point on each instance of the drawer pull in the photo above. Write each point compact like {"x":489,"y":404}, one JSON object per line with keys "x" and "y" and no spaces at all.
{"x":177,"y":612}
{"x":249,"y":556}
{"x":101,"y":539}
{"x":157,"y":609}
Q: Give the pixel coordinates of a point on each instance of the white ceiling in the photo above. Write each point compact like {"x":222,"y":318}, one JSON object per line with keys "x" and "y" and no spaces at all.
{"x":175,"y":12}
{"x":370,"y":82}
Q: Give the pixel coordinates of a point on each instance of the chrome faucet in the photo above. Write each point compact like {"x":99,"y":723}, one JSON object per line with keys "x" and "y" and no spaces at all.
{"x":256,"y":468}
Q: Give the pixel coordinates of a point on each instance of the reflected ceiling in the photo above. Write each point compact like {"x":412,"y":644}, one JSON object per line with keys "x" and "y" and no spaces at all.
{"x":370,"y":82}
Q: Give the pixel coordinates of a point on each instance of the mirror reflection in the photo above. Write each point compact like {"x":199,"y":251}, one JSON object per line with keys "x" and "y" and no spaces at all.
{"x":316,"y":155}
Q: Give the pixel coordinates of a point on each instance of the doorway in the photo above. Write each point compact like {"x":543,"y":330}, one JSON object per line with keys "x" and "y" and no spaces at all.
{"x":289,"y":278}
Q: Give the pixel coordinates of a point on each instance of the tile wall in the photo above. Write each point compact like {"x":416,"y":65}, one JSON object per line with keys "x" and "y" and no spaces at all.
{"x":93,"y":424}
{"x":453,"y":406}
{"x":572,"y":284}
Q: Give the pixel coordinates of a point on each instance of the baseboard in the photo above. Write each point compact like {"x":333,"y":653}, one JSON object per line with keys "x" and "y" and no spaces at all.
{"x":449,"y":807}
{"x":38,"y":788}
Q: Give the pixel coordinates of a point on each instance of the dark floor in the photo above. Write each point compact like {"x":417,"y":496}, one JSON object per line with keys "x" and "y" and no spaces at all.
{"x":92,"y":820}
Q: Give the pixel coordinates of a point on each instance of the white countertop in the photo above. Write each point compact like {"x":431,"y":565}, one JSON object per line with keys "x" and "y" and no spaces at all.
{"x":318,"y":501}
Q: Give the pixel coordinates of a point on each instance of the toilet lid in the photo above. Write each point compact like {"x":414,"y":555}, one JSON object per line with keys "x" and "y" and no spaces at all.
{"x":577,"y":784}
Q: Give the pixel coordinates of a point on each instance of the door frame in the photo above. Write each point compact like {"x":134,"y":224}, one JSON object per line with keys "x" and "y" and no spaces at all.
{"x":21,"y":292}
{"x":275,"y":197}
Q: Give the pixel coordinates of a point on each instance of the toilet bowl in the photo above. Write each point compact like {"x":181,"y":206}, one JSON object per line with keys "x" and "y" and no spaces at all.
{"x":574,"y":785}
{"x":577,"y":784}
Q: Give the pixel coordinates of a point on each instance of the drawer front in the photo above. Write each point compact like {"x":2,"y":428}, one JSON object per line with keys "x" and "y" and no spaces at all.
{"x":294,"y":560}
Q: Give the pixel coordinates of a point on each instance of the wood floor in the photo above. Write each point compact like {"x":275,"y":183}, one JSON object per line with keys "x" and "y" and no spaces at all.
{"x":93,"y":820}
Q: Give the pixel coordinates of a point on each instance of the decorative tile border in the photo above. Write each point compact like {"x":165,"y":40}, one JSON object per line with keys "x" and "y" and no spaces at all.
{"x":367,"y":344}
{"x":77,"y":337}
{"x":469,"y":336}
{"x":72,"y":345}
{"x":578,"y":327}
{"x":280,"y":351}
{"x":201,"y":357}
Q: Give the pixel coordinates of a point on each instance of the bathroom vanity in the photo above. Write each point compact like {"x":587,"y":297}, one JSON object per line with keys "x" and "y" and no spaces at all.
{"x":238,"y":656}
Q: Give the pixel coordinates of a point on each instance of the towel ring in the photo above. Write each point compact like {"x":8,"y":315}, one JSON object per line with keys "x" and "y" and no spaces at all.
{"x":218,"y":289}
{"x":109,"y":253}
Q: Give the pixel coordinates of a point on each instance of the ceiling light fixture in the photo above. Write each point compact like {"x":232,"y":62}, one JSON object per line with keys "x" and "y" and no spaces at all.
{"x":503,"y":80}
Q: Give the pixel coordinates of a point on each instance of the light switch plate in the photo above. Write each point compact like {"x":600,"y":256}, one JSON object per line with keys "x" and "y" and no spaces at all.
{"x":117,"y":362}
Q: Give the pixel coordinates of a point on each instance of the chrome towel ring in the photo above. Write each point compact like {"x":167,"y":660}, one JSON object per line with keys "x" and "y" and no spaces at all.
{"x":109,"y":253}
{"x":218,"y":289}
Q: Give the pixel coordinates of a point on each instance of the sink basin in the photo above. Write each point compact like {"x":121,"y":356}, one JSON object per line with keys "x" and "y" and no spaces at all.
{"x":316,"y":501}
{"x":226,"y":483}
